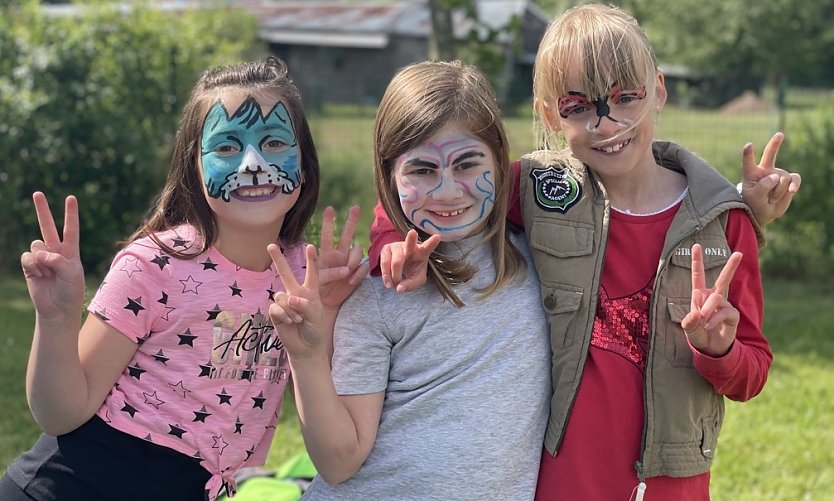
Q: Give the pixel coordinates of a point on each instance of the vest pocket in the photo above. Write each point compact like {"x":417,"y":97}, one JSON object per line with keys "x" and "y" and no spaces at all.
{"x":676,"y":347}
{"x":710,"y":426}
{"x":561,"y":302}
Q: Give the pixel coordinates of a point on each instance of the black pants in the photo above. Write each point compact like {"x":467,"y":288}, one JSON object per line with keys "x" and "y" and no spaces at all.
{"x":98,"y":462}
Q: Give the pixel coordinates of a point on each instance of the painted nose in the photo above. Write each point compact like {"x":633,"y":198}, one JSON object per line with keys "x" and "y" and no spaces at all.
{"x":448,"y":189}
{"x":252,"y":164}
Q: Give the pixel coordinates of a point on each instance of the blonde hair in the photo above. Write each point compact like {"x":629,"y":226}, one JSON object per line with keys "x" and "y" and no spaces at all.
{"x":602,"y":45}
{"x":421,"y":99}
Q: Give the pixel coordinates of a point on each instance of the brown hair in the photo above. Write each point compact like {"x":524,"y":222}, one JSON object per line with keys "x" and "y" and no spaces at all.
{"x":421,"y":99}
{"x":182,"y":199}
{"x":602,"y":45}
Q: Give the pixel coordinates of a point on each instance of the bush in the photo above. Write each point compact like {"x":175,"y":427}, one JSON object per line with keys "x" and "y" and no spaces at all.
{"x":89,"y":105}
{"x":801,"y":244}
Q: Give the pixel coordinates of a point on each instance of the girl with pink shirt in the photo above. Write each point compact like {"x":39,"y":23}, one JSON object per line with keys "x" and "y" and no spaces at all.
{"x":175,"y":379}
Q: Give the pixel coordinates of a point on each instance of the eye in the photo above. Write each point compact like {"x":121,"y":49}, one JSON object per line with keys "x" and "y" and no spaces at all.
{"x":629,"y":96}
{"x":227,"y":149}
{"x":466,"y":165}
{"x":421,"y":171}
{"x":573,"y":105}
{"x":273,"y":145}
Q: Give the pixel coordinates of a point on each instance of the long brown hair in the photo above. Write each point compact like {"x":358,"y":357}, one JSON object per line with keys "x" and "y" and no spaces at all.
{"x":182,"y":199}
{"x":421,"y":99}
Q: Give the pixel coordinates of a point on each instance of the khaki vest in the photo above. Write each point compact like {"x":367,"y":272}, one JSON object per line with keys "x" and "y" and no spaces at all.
{"x":683,"y":413}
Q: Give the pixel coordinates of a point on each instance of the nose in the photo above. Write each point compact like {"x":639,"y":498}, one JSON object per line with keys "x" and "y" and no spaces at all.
{"x":252,"y":164}
{"x":448,"y":189}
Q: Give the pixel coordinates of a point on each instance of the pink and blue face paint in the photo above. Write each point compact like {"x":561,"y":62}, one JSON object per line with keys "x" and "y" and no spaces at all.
{"x":446,"y":187}
{"x":249,"y":149}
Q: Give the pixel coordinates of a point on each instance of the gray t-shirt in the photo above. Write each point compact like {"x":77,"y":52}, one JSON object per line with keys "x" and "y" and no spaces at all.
{"x":467,"y":389}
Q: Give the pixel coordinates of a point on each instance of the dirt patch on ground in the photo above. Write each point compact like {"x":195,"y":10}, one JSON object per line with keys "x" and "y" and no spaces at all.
{"x":747,"y":102}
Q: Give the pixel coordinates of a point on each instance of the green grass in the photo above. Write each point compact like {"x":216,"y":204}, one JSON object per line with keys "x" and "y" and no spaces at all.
{"x":775,"y":447}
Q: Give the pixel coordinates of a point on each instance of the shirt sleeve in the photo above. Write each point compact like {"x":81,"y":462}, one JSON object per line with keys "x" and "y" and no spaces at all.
{"x":361,"y":344}
{"x":127,"y":299}
{"x":382,"y":233}
{"x":741,"y":373}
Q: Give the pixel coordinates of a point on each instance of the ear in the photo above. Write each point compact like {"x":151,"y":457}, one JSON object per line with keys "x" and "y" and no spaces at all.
{"x":660,"y":91}
{"x":548,"y":114}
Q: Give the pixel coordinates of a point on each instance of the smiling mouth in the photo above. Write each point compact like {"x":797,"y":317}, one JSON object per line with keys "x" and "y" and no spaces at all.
{"x":613,"y":148}
{"x":255,"y":193}
{"x":450,"y":213}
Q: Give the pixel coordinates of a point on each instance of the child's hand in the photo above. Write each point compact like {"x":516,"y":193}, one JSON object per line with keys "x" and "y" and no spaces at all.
{"x":297,"y":314}
{"x":767,"y":189}
{"x":711,"y":324}
{"x":341,"y":267}
{"x":404,"y":264}
{"x":52,"y":267}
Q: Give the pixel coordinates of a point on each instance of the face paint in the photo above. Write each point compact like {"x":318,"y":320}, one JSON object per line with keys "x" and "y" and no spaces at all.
{"x":249,"y":150}
{"x":577,"y":106}
{"x":446,"y":184}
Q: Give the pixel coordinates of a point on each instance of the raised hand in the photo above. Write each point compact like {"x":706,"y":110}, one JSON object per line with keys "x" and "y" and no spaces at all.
{"x":52,"y":266}
{"x":340,"y":266}
{"x":298,"y":314}
{"x":767,"y":189}
{"x":404,"y":264}
{"x":712,"y":321}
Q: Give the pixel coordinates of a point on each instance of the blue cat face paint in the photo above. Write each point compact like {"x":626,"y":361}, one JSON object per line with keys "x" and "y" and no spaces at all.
{"x":249,"y":154}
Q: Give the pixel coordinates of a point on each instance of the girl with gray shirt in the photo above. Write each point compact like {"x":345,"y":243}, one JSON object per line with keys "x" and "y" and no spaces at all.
{"x":438,"y":394}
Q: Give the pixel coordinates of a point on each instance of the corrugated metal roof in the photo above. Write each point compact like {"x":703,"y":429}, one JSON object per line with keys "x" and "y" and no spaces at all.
{"x":291,"y":21}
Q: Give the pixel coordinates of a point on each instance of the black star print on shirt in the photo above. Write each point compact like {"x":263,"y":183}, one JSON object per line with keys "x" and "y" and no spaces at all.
{"x":129,"y":409}
{"x":161,"y":260}
{"x":176,"y":431}
{"x":186,"y":338}
{"x":205,"y":369}
{"x":134,"y":305}
{"x":238,"y":426}
{"x":224,"y":397}
{"x":201,"y":415}
{"x":136,"y":371}
{"x":160,"y":357}
{"x":178,"y":242}
{"x":236,"y":291}
{"x":209,"y":265}
{"x":212,"y":314}
{"x":271,"y":293}
{"x":259,"y":400}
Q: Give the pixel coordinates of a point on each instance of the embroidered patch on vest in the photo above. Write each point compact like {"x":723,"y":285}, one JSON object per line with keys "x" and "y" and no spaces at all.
{"x":556,"y":190}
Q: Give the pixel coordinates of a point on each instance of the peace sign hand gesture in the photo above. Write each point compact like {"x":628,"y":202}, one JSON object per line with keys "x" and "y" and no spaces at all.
{"x":341,"y":267}
{"x":767,"y":189}
{"x":712,"y":321}
{"x":52,"y":266}
{"x":404,"y":265}
{"x":299,"y":311}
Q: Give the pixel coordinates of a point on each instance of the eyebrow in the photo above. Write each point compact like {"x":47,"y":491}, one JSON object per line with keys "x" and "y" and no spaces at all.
{"x":468,"y":155}
{"x":415,"y":162}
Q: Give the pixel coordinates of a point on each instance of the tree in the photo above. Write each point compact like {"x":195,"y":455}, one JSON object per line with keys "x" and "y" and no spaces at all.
{"x":89,"y":105}
{"x":743,"y":43}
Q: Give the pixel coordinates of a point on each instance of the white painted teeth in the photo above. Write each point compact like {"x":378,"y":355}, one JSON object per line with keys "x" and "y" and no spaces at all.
{"x":256,"y":192}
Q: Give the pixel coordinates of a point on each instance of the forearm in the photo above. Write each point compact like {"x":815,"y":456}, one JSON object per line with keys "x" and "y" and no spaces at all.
{"x":56,"y":385}
{"x":330,"y":433}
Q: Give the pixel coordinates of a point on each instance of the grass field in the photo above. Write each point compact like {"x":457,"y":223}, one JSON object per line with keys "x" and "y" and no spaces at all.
{"x":776,"y":447}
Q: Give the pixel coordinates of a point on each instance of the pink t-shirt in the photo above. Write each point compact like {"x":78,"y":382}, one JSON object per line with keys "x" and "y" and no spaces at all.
{"x":208,"y":377}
